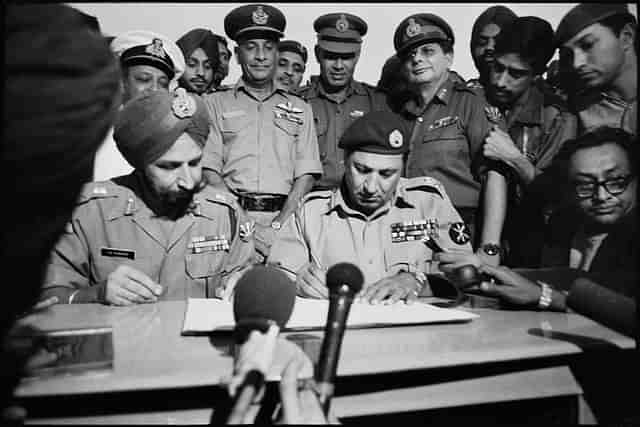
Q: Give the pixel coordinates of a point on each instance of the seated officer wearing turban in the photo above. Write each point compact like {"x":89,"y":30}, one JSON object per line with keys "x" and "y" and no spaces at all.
{"x":159,"y":232}
{"x":200,"y":49}
{"x":375,"y":220}
{"x":148,"y":61}
{"x":598,"y":45}
{"x":292,"y":61}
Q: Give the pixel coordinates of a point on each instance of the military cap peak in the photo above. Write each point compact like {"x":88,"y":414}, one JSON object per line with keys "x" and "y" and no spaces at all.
{"x":255,"y":20}
{"x":340,"y":32}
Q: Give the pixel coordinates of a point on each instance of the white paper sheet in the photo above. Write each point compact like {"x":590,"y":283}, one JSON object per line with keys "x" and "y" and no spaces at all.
{"x":208,"y":315}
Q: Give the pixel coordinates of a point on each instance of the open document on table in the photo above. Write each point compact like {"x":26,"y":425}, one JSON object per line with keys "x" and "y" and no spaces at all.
{"x":209,"y":315}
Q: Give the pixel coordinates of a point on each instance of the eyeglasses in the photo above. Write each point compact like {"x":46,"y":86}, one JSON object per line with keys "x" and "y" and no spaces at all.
{"x":614,"y":186}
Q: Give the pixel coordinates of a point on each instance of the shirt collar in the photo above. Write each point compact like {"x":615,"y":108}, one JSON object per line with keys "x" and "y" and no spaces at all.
{"x":528,"y":109}
{"x":442,"y":95}
{"x":338,"y":202}
{"x":242,"y":85}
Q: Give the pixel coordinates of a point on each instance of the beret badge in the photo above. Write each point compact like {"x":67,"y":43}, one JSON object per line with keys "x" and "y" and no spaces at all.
{"x":183,"y":105}
{"x":395,"y":139}
{"x":155,"y":48}
{"x":342,"y":24}
{"x":259,"y":16}
{"x":413,"y":28}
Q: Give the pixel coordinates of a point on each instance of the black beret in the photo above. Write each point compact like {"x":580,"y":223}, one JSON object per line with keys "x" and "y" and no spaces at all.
{"x":249,"y":19}
{"x":419,"y":29}
{"x":583,"y":15}
{"x":340,"y":32}
{"x":295,"y":47}
{"x":379,"y":132}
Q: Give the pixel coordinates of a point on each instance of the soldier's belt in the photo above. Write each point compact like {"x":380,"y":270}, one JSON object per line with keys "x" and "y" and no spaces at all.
{"x":261,"y":202}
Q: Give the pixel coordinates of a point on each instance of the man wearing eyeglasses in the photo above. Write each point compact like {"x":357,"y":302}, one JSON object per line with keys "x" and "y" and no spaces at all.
{"x":597,"y":230}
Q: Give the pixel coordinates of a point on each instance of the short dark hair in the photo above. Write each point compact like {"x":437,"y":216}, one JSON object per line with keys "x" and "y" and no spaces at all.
{"x":531,"y":38}
{"x":595,"y":138}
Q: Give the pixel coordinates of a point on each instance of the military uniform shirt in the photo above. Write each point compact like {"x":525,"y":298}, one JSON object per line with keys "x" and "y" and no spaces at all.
{"x":332,"y":118}
{"x":326,"y":231}
{"x":112,"y":226}
{"x":260,"y":146}
{"x":447,"y":139}
{"x":597,"y":109}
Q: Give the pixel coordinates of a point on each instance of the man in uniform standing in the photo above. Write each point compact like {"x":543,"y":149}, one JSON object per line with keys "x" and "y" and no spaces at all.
{"x":335,"y":97}
{"x":158,"y":233}
{"x":375,"y":220}
{"x":538,"y":123}
{"x":149,"y":61}
{"x":262,"y":145}
{"x":450,"y":121}
{"x":292,"y":62}
{"x":597,"y":42}
{"x":483,"y":39}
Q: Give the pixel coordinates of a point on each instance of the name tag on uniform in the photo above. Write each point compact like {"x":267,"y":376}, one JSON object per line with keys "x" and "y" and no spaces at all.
{"x":414,"y":230}
{"x":356,"y":113}
{"x":443,"y":122}
{"x":118,"y":253}
{"x":200,"y":244}
{"x":232,"y":114}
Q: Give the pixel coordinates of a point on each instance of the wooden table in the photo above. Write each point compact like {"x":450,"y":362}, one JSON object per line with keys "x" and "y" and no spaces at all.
{"x":167,"y":378}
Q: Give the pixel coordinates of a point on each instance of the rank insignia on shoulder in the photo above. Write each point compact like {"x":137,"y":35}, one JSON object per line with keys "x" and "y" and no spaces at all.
{"x":201,"y":244}
{"x":356,"y":114}
{"x":414,"y":230}
{"x":493,"y":114}
{"x":100,"y":190}
{"x":459,"y":233}
{"x":246,"y":230}
{"x":474,"y":84}
{"x":443,"y":122}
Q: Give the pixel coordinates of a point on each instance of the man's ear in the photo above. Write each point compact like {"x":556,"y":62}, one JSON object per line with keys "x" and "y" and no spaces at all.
{"x":318,"y":52}
{"x":628,"y":36}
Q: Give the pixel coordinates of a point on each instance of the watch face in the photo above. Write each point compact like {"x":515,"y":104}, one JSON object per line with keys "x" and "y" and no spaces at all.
{"x":275,"y":225}
{"x":491,"y":249}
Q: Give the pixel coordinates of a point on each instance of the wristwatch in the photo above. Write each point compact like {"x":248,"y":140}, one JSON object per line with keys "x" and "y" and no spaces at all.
{"x":545,"y":296}
{"x":491,"y":249}
{"x":276,"y":225}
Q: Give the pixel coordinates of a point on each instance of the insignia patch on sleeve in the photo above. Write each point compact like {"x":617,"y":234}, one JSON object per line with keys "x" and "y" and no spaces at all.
{"x":459,"y":233}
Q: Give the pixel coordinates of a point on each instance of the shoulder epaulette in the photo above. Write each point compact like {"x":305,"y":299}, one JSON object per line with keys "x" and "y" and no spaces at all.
{"x":425,"y":184}
{"x":316,"y":194}
{"x":98,"y":190}
{"x":475,"y":89}
{"x":221,"y":197}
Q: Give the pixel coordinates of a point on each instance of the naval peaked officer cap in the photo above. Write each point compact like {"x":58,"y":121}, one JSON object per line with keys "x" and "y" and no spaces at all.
{"x":254,"y":20}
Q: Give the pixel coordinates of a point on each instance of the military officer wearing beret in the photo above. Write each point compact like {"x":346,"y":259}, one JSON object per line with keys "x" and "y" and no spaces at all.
{"x":450,"y":121}
{"x":336,"y":98}
{"x":158,"y":233}
{"x":375,"y":219}
{"x":262,"y":145}
{"x":597,"y":44}
{"x":149,"y":61}
{"x":292,"y":62}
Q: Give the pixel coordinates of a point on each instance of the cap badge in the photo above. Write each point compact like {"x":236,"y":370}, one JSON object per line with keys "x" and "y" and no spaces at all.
{"x":413,"y":29}
{"x":342,"y":24}
{"x":183,"y":105}
{"x":395,"y":139}
{"x":156,"y":49}
{"x":259,"y":16}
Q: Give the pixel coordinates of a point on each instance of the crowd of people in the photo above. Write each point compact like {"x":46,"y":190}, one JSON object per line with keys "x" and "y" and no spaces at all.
{"x":530,"y":164}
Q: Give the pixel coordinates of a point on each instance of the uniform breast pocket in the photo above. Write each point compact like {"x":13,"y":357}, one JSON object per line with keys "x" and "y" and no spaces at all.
{"x":105,"y":265}
{"x":289,"y":127}
{"x":447,"y":142}
{"x":204,"y":264}
{"x":233,"y":126}
{"x":405,"y":256}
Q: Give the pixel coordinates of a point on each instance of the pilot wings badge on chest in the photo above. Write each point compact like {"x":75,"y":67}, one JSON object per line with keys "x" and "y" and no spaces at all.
{"x":289,"y":112}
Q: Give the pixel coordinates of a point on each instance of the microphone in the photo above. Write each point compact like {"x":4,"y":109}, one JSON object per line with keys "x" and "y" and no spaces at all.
{"x":263,"y":301}
{"x":344,"y":280}
{"x":596,"y":302}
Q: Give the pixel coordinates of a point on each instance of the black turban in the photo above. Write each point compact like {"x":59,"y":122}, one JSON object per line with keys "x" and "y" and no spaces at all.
{"x":200,"y":38}
{"x":499,"y":15}
{"x":61,"y":92}
{"x":149,"y":125}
